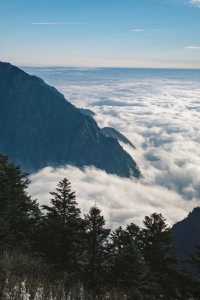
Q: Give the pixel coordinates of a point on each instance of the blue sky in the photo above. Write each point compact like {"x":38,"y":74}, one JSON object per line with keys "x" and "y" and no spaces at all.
{"x":125,"y":33}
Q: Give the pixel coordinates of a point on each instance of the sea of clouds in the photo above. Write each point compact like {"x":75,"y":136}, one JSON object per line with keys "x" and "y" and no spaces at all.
{"x":161,"y":117}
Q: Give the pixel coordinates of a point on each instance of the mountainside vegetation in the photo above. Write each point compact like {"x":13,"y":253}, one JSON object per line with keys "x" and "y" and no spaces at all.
{"x":55,"y":252}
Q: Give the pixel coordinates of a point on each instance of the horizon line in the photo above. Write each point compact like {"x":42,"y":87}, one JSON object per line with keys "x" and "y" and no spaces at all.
{"x":107,"y":67}
{"x":21,"y":65}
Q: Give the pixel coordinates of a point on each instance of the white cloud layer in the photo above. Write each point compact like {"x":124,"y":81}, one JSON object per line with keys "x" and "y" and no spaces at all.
{"x":121,"y":200}
{"x":161,"y":116}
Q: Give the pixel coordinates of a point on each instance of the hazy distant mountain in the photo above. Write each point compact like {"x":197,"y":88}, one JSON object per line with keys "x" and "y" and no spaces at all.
{"x":39,"y":128}
{"x":187,"y":234}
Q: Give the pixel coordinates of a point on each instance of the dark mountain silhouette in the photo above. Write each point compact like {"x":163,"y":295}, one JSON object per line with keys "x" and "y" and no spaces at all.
{"x":87,"y":112}
{"x":115,"y":134}
{"x":187,"y":234}
{"x":109,"y":131}
{"x":39,"y":128}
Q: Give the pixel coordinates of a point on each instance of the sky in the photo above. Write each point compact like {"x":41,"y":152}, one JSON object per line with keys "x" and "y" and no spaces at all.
{"x":105,"y":33}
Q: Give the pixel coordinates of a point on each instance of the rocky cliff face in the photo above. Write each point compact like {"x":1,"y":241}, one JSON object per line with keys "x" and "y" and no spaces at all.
{"x":39,"y":128}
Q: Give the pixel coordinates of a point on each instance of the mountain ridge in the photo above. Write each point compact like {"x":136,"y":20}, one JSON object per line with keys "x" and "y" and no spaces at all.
{"x":39,"y":128}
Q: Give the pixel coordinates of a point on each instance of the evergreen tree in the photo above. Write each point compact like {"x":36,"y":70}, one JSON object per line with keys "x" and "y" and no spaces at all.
{"x":19,"y":214}
{"x":64,"y":206}
{"x":159,"y":255}
{"x":136,"y":263}
{"x":62,"y":231}
{"x":193,"y":265}
{"x":195,"y":261}
{"x":157,"y":242}
{"x":128,"y":267}
{"x":96,"y":252}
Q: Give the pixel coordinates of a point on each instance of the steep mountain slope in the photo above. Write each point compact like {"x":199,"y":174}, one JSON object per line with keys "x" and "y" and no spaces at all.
{"x":187,"y":234}
{"x":39,"y":128}
{"x":115,"y":134}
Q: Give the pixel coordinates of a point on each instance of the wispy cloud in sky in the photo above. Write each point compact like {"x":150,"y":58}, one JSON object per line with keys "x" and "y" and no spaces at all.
{"x":193,"y":47}
{"x":195,"y":2}
{"x":58,"y":23}
{"x":137,"y":30}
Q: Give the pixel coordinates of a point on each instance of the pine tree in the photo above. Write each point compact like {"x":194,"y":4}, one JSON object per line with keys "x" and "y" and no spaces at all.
{"x":63,"y":204}
{"x":193,"y":272}
{"x":96,"y":252}
{"x":157,"y":241}
{"x":128,"y":270}
{"x":159,"y":255}
{"x":19,"y":214}
{"x":62,"y":231}
{"x":195,"y":261}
